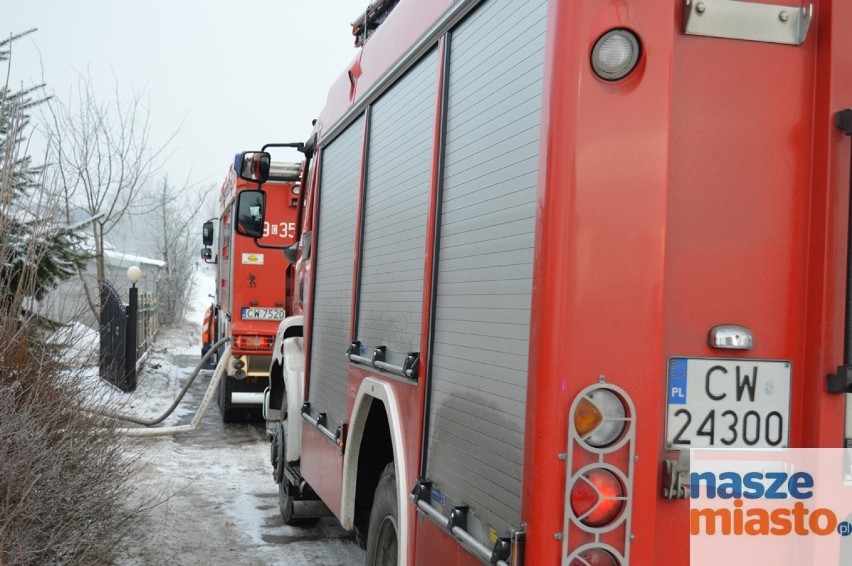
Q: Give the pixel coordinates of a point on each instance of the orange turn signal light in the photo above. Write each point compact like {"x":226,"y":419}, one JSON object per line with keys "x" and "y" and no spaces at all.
{"x":600,"y":418}
{"x":587,"y":417}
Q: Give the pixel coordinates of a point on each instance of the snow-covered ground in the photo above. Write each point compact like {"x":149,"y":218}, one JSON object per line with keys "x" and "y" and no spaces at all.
{"x":215,"y":501}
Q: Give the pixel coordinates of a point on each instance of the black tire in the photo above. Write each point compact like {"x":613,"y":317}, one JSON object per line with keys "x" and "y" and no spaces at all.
{"x":278,"y":452}
{"x":229,"y":414}
{"x":288,"y":493}
{"x":273,"y":454}
{"x":382,"y":536}
{"x":211,"y":361}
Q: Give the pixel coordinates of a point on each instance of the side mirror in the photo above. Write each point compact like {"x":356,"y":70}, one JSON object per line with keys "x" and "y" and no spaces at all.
{"x":207,"y":234}
{"x":250,"y":209}
{"x":253,"y":166}
{"x":307,"y":240}
{"x":292,"y":253}
{"x":206,"y":254}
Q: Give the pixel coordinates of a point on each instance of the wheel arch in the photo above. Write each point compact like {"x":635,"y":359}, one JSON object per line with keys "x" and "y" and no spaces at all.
{"x":376,"y":410}
{"x":287,"y":383}
{"x":289,"y":327}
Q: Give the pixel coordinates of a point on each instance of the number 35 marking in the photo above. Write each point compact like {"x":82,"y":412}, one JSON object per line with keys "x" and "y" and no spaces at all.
{"x":282,"y":229}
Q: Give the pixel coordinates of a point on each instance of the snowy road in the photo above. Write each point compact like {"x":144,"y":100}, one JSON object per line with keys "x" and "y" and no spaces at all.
{"x":217,"y":501}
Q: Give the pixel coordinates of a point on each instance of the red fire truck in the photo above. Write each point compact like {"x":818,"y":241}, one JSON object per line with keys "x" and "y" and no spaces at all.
{"x":547,"y":247}
{"x":250,"y":291}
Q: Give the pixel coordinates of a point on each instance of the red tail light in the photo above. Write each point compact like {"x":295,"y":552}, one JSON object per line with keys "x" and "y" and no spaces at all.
{"x":594,"y":557}
{"x":597,"y":497}
{"x":253,"y":342}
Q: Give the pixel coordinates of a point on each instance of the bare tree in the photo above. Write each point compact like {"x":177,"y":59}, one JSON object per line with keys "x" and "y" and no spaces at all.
{"x":101,"y":158}
{"x":175,"y":241}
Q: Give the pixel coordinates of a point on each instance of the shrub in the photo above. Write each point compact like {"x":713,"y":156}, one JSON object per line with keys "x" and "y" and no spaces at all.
{"x":64,"y":473}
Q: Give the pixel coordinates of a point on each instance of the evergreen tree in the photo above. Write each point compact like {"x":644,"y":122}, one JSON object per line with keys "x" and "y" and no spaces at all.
{"x":36,"y":251}
{"x":19,"y":175}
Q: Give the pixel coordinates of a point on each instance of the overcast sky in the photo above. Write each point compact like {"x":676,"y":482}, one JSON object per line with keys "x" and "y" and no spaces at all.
{"x":236,"y":75}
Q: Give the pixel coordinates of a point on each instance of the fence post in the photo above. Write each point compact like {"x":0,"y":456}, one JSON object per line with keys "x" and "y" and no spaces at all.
{"x":131,"y":352}
{"x":131,"y":345}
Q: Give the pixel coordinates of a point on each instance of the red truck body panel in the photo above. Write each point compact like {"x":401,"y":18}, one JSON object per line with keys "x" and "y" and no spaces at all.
{"x":709,"y":187}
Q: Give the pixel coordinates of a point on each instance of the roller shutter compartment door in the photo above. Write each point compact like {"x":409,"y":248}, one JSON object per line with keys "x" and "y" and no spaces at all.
{"x":335,"y":252}
{"x":402,"y":125}
{"x":481,"y":327}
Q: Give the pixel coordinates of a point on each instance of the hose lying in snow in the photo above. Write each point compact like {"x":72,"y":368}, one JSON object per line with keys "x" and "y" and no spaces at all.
{"x":212,"y":389}
{"x":202,"y":409}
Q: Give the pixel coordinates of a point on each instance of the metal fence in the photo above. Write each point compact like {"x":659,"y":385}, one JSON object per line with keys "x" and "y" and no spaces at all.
{"x":118,"y":355}
{"x":147,"y":323}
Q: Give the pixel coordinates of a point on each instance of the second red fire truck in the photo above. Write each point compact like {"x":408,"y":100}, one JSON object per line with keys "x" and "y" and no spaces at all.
{"x":252,"y":287}
{"x":547,"y":247}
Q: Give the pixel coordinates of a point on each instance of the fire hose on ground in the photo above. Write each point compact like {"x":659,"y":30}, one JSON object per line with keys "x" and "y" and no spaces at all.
{"x":202,"y":409}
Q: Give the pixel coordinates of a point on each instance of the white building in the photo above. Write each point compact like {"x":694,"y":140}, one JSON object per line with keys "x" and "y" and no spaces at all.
{"x":68,"y":302}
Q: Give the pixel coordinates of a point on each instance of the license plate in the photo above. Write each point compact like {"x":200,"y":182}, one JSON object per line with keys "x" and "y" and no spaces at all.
{"x":728,"y":403}
{"x":261,"y":313}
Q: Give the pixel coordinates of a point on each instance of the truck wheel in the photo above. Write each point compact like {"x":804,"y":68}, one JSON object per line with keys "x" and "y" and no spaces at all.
{"x":288,"y":493}
{"x":278,"y":453}
{"x":273,"y":454}
{"x":228,"y":412}
{"x":211,"y":361}
{"x":382,"y":538}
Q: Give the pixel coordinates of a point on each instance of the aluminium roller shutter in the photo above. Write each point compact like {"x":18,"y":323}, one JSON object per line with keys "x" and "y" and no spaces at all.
{"x":481,"y":328}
